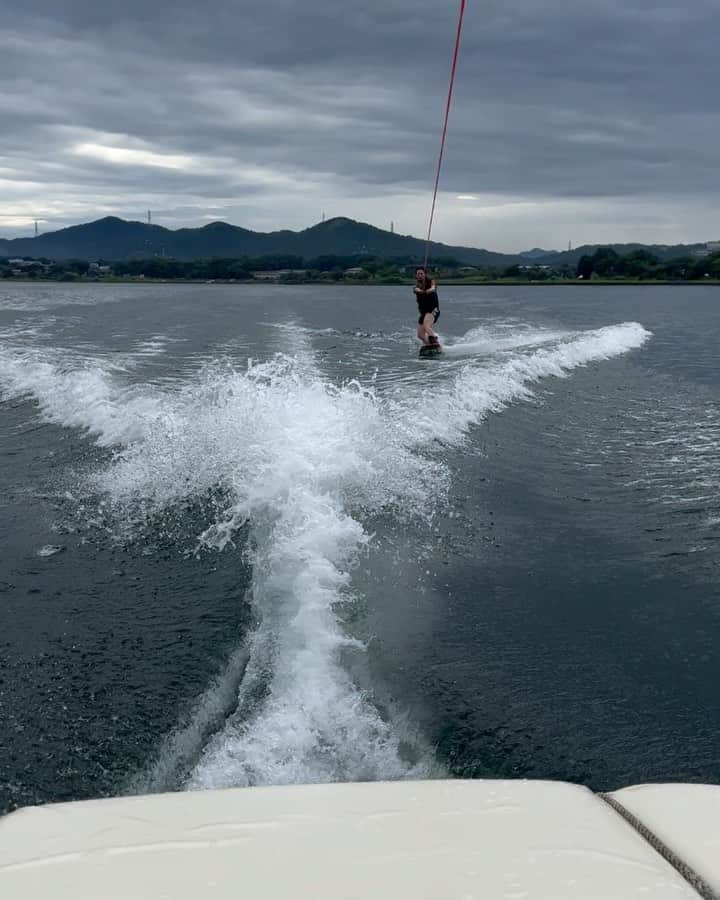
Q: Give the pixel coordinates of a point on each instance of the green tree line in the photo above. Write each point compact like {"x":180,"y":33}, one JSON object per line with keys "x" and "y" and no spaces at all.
{"x":605,"y":263}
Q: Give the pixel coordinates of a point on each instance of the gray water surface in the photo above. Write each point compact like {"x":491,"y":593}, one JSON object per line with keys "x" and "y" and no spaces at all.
{"x":249,"y":537}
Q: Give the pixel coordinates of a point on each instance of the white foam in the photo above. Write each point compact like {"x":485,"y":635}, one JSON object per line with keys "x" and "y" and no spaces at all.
{"x":449,"y":410}
{"x":152,"y":346}
{"x":291,"y":452}
{"x":314,"y":725}
{"x":258,"y":435}
{"x":49,"y":550}
{"x":486,"y":340}
{"x":80,"y":393}
{"x":296,"y":462}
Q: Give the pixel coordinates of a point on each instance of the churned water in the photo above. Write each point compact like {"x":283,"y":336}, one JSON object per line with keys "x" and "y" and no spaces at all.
{"x":249,"y":537}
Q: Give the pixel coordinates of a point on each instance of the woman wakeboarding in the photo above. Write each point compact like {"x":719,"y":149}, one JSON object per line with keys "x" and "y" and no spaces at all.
{"x":425,"y":287}
{"x":429,"y":308}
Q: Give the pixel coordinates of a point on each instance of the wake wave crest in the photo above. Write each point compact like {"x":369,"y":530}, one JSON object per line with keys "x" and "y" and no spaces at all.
{"x":297,"y":462}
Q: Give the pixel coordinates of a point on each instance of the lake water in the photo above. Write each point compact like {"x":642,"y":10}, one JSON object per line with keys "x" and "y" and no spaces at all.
{"x":249,"y":537}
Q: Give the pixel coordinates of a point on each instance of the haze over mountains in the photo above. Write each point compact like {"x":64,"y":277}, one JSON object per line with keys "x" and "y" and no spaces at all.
{"x":112,"y":239}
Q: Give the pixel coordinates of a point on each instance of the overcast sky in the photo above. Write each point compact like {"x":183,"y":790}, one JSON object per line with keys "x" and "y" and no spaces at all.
{"x":572,"y":121}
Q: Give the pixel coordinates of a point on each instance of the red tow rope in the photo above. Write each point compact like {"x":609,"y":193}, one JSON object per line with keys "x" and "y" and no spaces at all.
{"x":444,"y":131}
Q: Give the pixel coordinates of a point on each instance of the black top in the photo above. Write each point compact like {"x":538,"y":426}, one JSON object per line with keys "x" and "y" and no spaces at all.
{"x":427,"y":301}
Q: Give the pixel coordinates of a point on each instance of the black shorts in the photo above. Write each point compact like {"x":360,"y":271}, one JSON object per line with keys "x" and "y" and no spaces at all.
{"x":435,"y":314}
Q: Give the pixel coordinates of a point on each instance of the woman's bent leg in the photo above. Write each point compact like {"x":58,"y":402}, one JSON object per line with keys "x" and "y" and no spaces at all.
{"x":428,"y":323}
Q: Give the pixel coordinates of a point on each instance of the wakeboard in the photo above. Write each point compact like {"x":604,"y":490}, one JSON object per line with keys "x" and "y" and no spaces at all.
{"x":430,"y":352}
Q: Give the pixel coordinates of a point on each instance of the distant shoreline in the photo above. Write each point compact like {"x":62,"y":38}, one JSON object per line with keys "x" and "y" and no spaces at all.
{"x":507,"y":282}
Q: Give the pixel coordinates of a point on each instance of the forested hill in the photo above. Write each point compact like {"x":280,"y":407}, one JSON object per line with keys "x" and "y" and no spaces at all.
{"x":115,"y":239}
{"x":663,"y":252}
{"x":112,"y":239}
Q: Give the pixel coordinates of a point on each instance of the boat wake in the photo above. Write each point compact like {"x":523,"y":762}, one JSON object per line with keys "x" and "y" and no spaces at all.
{"x":294,"y":464}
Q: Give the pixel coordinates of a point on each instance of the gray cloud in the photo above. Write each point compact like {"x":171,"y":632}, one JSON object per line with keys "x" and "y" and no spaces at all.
{"x":568,"y":121}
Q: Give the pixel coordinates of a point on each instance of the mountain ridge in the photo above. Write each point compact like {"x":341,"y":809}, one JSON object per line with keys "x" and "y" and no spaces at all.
{"x":112,"y":238}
